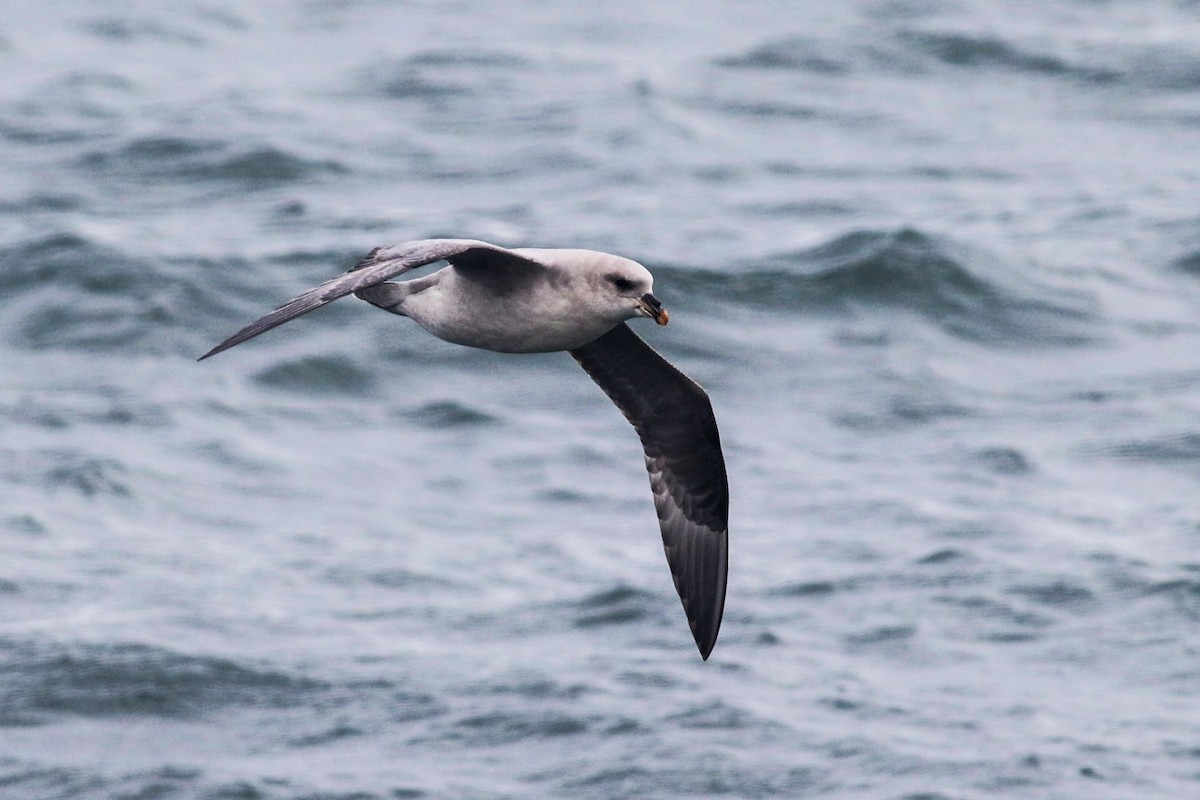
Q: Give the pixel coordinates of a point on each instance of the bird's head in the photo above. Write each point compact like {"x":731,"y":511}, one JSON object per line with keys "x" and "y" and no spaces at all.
{"x":628,"y":289}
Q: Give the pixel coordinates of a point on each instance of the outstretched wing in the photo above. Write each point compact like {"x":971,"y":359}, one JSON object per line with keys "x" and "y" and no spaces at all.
{"x":379,"y":265}
{"x":674,"y":419}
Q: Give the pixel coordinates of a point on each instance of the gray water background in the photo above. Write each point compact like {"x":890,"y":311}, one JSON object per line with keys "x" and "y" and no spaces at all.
{"x":936,"y":262}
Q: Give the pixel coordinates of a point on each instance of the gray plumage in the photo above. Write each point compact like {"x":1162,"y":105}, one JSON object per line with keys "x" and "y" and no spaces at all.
{"x":532,"y":300}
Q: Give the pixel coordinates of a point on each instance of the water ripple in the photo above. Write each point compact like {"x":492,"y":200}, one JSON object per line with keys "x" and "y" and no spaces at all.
{"x":989,"y":51}
{"x":319,"y":375}
{"x":904,"y":269}
{"x":190,"y":160}
{"x":130,"y":679}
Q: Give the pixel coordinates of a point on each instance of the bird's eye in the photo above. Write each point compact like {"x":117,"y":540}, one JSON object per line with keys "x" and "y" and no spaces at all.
{"x":622,"y":284}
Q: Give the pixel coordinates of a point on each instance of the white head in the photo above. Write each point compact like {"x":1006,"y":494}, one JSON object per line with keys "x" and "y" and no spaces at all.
{"x":622,"y":289}
{"x":582,"y":295}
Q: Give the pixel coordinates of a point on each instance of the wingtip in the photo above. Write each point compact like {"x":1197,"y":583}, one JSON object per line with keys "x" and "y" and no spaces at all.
{"x":705,"y":646}
{"x":210,"y":353}
{"x":706,"y":627}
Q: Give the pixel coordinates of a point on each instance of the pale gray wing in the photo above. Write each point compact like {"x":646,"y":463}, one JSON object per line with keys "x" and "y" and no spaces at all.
{"x":674,"y":419}
{"x":379,"y":265}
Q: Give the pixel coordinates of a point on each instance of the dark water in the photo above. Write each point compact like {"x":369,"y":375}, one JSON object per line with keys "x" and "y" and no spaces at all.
{"x":938,"y":264}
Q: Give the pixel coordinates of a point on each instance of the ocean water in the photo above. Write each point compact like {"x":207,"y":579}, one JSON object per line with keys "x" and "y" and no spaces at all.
{"x":937,"y":263}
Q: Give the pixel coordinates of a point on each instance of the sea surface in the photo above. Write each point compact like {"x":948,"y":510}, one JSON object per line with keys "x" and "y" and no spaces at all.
{"x":937,"y":263}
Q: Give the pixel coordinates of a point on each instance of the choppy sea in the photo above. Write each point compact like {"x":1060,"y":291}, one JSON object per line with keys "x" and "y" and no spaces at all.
{"x":937,"y":263}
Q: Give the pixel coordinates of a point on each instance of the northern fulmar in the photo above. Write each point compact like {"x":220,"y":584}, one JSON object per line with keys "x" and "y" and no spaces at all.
{"x":535,"y":301}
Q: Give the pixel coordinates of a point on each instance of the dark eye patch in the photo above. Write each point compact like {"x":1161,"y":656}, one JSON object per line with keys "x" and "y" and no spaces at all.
{"x":622,"y":284}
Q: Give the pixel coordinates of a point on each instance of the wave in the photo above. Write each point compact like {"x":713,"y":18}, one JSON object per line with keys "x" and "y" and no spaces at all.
{"x":794,"y":53}
{"x":101,"y":680}
{"x":133,"y":29}
{"x":66,"y":258}
{"x":822,"y":59}
{"x":1188,"y":264}
{"x":906,"y":52}
{"x":1176,"y":449}
{"x":902,"y":270}
{"x":64,"y":291}
{"x":211,"y":160}
{"x":1159,"y":65}
{"x":36,"y":780}
{"x":448,"y":414}
{"x":319,"y":375}
{"x":1171,"y":66}
{"x":441,"y":74}
{"x":506,"y":727}
{"x":615,"y":606}
{"x":1002,"y":461}
{"x":989,"y":51}
{"x":67,"y":470}
{"x":1061,"y":593}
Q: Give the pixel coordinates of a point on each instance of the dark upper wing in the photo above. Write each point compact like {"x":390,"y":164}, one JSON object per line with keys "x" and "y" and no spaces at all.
{"x":379,"y":265}
{"x":675,"y":422}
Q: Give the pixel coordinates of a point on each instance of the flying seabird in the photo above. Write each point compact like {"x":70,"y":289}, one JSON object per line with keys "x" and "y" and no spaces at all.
{"x":536,"y":301}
